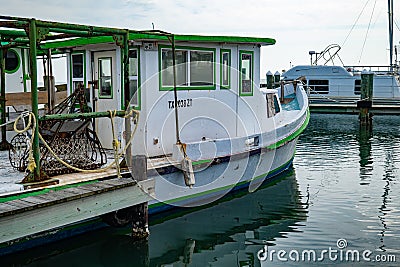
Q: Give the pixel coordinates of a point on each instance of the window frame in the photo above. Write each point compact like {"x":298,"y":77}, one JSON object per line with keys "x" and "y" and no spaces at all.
{"x":222,"y":52}
{"x":18,"y":60}
{"x":139,"y":94}
{"x":357,"y":87}
{"x":241,"y":93}
{"x":72,"y":79}
{"x":324,"y":85}
{"x":111,"y":96}
{"x":188,"y":49}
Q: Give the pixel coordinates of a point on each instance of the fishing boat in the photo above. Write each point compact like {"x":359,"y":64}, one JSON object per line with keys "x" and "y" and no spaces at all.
{"x":184,"y":111}
{"x":205,"y":127}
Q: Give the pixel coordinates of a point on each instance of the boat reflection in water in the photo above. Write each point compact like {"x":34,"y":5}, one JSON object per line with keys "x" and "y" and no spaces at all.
{"x":229,"y":232}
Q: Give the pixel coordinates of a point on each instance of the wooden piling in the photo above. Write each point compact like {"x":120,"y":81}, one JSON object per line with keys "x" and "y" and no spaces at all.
{"x":365,"y":103}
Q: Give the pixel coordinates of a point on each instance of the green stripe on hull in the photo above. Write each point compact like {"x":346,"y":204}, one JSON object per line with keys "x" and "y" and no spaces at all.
{"x":170,"y":202}
{"x":293,"y":135}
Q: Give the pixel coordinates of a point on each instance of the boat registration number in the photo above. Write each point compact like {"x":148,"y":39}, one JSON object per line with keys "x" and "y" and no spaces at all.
{"x":182,"y":103}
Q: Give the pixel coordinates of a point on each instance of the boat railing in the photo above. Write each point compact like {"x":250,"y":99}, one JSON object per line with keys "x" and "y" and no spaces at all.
{"x":298,"y":81}
{"x":378,"y":69}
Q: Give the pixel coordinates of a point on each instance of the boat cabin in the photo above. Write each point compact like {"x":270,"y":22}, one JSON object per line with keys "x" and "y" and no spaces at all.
{"x":217,"y":83}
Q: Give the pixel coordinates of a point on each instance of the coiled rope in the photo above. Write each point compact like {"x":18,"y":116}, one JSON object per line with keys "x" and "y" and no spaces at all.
{"x":32,"y":124}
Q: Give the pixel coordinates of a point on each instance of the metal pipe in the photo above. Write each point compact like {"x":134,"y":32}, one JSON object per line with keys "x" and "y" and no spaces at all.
{"x":390,"y":14}
{"x":178,"y":140}
{"x":87,"y":115}
{"x":127,"y":95}
{"x":34,"y":95}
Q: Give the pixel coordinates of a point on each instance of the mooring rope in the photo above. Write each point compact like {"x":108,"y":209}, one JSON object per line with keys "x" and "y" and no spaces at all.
{"x":32,"y":164}
{"x":31,"y":160}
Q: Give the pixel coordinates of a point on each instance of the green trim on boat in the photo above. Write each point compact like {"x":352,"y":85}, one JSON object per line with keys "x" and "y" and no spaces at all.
{"x":201,"y":162}
{"x":158,"y":37}
{"x":220,"y":188}
{"x":293,"y":135}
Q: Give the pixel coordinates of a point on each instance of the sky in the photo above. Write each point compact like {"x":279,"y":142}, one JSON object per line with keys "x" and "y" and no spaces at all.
{"x":360,"y":27}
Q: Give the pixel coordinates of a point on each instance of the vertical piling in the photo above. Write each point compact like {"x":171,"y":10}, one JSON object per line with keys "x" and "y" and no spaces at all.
{"x":140,"y":222}
{"x":365,"y":103}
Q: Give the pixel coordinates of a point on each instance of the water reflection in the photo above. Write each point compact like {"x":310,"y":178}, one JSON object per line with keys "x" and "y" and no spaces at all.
{"x":365,"y":146}
{"x":227,"y":233}
{"x":231,"y":232}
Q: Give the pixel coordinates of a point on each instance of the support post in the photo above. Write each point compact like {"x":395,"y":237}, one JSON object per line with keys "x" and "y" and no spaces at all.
{"x":140,"y":214}
{"x":367,"y":85}
{"x":49,"y":84}
{"x":178,"y":139}
{"x":4,"y":145}
{"x":35,"y":175}
{"x":127,"y":95}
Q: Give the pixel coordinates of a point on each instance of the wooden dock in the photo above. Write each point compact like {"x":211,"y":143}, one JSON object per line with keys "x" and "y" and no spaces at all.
{"x":342,"y":106}
{"x":34,"y":212}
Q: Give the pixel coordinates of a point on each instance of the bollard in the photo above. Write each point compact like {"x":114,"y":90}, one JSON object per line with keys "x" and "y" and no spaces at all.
{"x":277,"y":79}
{"x":270,"y":80}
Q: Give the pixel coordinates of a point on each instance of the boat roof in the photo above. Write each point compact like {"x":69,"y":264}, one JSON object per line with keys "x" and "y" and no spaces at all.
{"x":157,"y":37}
{"x":147,"y":36}
{"x":315,"y":70}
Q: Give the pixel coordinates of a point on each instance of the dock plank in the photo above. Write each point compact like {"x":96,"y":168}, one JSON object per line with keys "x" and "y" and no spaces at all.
{"x":55,"y":197}
{"x":4,"y":207}
{"x":23,"y":223}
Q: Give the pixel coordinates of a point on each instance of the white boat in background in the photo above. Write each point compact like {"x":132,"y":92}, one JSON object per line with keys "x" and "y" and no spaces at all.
{"x":334,"y":87}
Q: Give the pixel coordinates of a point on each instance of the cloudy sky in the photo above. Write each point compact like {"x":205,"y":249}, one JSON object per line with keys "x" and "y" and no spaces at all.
{"x":298,"y":26}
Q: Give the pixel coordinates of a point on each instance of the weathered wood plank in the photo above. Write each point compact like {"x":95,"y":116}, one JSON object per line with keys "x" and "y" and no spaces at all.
{"x":64,"y":195}
{"x":119,"y":181}
{"x":24,"y":98}
{"x":4,"y":207}
{"x":47,"y":218}
{"x":20,"y":204}
{"x":35,"y":200}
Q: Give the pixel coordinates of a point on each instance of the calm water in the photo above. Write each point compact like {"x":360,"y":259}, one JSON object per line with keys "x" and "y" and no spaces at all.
{"x":344,"y":186}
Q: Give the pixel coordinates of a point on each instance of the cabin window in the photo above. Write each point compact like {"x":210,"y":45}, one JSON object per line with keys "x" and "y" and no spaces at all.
{"x":318,"y":86}
{"x":194,"y":68}
{"x":134,"y":76}
{"x":78,"y":69}
{"x":357,"y":87}
{"x":225,"y":69}
{"x":105,"y":77}
{"x":201,"y":68}
{"x":11,"y":61}
{"x":246,"y":73}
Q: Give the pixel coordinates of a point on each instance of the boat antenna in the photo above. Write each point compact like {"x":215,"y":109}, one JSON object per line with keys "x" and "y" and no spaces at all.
{"x":390,"y":14}
{"x":355,"y":23}
{"x":366,"y":35}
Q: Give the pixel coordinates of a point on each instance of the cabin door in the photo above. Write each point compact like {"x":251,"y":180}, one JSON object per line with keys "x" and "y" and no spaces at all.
{"x":105,"y":72}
